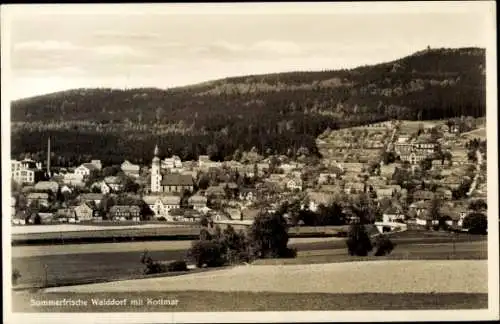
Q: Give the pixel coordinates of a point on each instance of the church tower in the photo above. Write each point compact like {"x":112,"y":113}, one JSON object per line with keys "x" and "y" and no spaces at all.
{"x":155,"y":172}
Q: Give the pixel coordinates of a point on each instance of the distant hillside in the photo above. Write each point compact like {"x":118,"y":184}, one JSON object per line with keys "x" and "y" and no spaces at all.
{"x":274,"y":112}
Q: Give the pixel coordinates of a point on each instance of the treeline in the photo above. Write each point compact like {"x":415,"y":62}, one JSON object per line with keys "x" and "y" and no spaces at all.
{"x":276,"y":112}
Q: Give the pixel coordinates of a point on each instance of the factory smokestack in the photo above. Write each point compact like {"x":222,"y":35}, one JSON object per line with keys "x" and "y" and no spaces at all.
{"x":48,"y":157}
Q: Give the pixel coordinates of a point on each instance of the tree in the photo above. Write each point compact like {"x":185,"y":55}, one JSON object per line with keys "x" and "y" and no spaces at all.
{"x":478,"y":205}
{"x":206,"y":253}
{"x":388,"y":158}
{"x":434,"y":212}
{"x":268,"y":235}
{"x":358,"y":241}
{"x":476,"y":223}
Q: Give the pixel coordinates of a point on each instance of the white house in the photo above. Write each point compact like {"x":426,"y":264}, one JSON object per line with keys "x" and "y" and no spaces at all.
{"x":130,"y":169}
{"x":162,"y":204}
{"x":85,"y":169}
{"x":198,"y":202}
{"x":392,"y":214}
{"x":294,"y":184}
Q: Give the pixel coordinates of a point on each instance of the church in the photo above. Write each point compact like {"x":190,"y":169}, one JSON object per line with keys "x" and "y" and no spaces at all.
{"x":162,"y":181}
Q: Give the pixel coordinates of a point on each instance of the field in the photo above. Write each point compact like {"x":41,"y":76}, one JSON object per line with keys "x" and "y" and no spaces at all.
{"x":84,"y":263}
{"x":64,"y":234}
{"x":376,"y":285}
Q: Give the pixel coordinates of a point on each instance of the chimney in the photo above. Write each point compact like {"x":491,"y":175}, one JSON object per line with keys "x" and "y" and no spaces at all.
{"x":48,"y":157}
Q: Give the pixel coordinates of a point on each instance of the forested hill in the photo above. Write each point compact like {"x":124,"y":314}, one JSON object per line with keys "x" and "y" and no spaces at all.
{"x":274,"y":112}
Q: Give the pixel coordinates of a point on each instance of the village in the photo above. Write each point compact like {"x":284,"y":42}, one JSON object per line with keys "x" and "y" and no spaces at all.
{"x":418,"y":173}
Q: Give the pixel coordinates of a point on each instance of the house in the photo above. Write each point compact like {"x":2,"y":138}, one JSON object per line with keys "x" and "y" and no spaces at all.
{"x":13,"y":202}
{"x":352,"y":167}
{"x":392,"y":214}
{"x":318,"y":198}
{"x":125,"y":212}
{"x":327,"y":178}
{"x":459,"y":156}
{"x":66,"y":189}
{"x":84,"y":211}
{"x":41,"y":198}
{"x":161,"y":205}
{"x":198,"y":202}
{"x":19,"y":218}
{"x":385,"y":192}
{"x":294,"y":184}
{"x":333,"y":189}
{"x":354,"y":187}
{"x":387,"y":170}
{"x":96,"y":198}
{"x":233,"y":212}
{"x":423,"y":195}
{"x":51,"y":186}
{"x":453,"y":182}
{"x":97,"y":164}
{"x":101,"y":186}
{"x":287,"y":167}
{"x":130,"y":169}
{"x":173,"y":163}
{"x":86,"y":169}
{"x":114,"y":182}
{"x":444,"y":193}
{"x":249,"y":213}
{"x":377,"y":181}
{"x":65,"y":214}
{"x":248,"y":194}
{"x":420,"y":207}
{"x":215,"y":192}
{"x":26,"y":171}
{"x":425,"y":220}
{"x":73,"y":179}
{"x":175,"y":182}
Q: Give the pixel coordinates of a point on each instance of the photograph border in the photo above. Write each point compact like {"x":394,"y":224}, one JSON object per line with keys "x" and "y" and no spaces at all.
{"x":488,"y":8}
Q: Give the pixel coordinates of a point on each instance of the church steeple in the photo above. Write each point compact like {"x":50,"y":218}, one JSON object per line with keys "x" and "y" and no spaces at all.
{"x":157,"y":151}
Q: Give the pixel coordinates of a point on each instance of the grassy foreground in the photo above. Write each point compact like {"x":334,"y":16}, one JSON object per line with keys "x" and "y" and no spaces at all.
{"x":205,"y":301}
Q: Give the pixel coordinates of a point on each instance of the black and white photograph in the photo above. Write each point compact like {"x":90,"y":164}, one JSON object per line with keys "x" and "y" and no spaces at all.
{"x":249,"y":162}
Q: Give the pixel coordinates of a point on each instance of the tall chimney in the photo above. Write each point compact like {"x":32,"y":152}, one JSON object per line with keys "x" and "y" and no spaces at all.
{"x":48,"y":157}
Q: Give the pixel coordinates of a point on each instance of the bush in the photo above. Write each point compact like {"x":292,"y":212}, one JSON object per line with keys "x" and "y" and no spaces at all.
{"x":16,"y":275}
{"x":476,"y":223}
{"x":289,"y":253}
{"x":151,"y":265}
{"x":161,"y":218}
{"x":206,"y":253}
{"x":384,"y":246}
{"x":358,"y":242}
{"x":341,"y":234}
{"x":179,"y":265}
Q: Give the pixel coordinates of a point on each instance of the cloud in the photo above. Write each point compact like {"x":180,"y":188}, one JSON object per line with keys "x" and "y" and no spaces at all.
{"x":116,"y":50}
{"x":123,"y":35}
{"x":46,"y":45}
{"x":277,"y":47}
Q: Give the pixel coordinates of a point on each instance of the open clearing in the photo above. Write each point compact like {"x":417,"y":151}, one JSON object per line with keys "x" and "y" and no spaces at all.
{"x":86,"y":263}
{"x":37,"y":250}
{"x":429,"y":276}
{"x":79,"y":228}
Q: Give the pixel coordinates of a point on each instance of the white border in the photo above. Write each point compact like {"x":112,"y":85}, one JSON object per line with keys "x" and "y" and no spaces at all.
{"x":486,"y":8}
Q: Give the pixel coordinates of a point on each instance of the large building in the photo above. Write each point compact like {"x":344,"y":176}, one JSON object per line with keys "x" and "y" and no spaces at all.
{"x":415,"y":152}
{"x":173,"y":182}
{"x":26,"y":171}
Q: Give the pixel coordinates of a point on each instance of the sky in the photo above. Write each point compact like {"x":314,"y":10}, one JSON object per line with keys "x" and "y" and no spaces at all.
{"x":59,"y":47}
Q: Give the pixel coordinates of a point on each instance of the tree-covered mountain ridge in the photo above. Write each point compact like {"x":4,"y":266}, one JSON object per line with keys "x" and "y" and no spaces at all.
{"x":433,"y":78}
{"x":275,"y":113}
